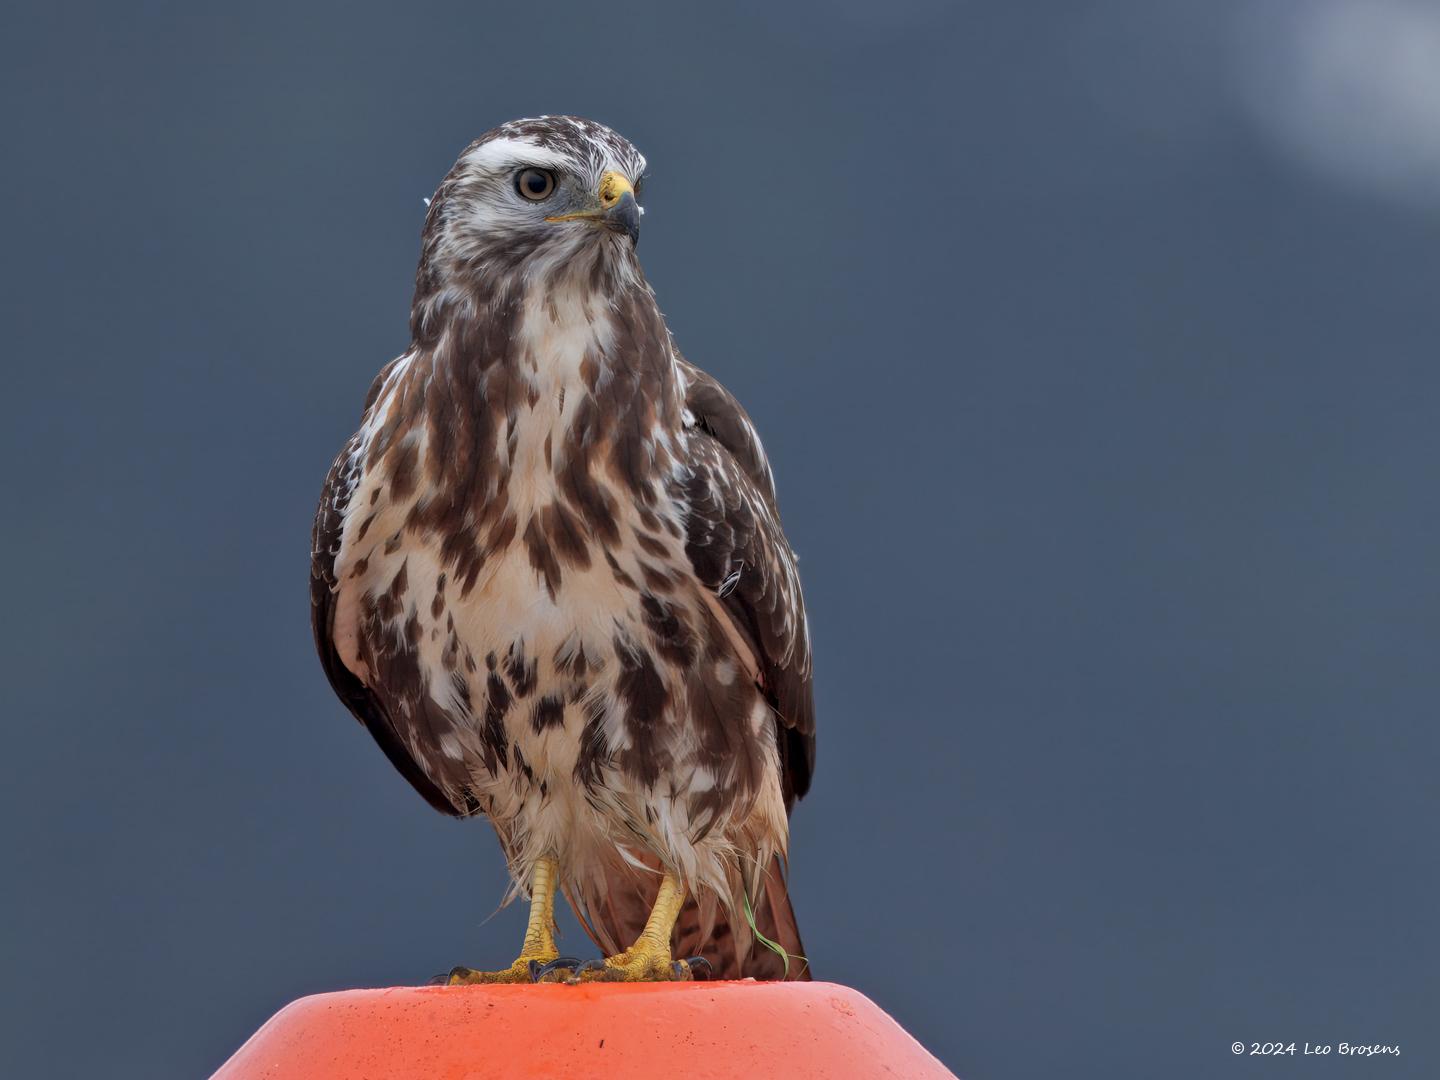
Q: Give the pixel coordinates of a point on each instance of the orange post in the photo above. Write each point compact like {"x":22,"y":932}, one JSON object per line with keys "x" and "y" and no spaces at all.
{"x":717,"y":1030}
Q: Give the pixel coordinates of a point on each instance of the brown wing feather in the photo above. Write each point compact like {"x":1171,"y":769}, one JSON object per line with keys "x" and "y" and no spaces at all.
{"x":363,"y":704}
{"x":737,"y":548}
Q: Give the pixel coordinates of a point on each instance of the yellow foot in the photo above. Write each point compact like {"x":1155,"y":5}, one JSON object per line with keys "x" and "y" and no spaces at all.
{"x":526,"y":969}
{"x":636,"y":964}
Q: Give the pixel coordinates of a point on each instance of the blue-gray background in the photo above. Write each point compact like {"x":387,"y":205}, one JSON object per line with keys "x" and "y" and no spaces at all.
{"x":1095,"y":347}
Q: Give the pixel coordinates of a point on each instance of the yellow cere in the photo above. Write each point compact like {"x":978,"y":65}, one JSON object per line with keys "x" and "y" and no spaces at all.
{"x":612,"y":187}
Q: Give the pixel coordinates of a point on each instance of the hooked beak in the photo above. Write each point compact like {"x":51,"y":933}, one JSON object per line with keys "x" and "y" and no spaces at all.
{"x":624,"y":217}
{"x":618,"y":211}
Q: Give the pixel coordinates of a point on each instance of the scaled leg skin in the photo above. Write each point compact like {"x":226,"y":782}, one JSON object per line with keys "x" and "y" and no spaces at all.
{"x":648,"y":960}
{"x":539,"y":948}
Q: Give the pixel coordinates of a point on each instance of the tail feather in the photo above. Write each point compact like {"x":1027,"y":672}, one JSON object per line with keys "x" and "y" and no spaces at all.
{"x":614,"y":918}
{"x":734,"y":952}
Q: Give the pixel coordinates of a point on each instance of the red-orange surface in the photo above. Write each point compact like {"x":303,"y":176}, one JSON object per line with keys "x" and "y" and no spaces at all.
{"x":721,"y":1029}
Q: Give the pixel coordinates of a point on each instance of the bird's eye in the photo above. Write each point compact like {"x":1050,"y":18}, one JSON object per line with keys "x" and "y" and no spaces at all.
{"x":535,"y":184}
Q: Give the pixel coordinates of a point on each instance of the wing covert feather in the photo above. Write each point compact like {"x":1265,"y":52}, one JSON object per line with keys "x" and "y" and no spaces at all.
{"x":738,"y":548}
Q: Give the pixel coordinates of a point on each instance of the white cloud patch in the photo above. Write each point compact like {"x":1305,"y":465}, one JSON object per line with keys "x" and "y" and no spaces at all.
{"x":1349,"y":89}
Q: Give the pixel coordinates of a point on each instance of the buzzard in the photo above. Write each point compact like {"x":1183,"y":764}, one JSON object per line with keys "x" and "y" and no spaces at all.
{"x":548,"y":575}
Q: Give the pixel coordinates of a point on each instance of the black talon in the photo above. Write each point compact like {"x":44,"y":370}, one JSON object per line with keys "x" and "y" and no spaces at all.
{"x":590,"y":965}
{"x":538,"y":971}
{"x":685,"y":969}
{"x":444,"y":980}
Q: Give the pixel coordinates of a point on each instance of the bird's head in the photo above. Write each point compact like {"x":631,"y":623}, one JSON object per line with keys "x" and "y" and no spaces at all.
{"x":532,"y":201}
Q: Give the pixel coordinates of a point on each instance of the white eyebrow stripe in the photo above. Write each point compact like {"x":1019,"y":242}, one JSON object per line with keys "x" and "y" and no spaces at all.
{"x":508,"y":151}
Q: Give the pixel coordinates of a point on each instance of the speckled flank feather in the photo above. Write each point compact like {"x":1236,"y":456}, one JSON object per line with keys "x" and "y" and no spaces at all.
{"x":549,"y":574}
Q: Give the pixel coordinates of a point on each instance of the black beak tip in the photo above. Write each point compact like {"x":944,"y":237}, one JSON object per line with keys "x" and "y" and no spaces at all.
{"x":624,"y":217}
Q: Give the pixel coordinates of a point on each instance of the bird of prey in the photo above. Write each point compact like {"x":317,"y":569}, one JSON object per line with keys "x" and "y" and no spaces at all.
{"x":548,"y":575}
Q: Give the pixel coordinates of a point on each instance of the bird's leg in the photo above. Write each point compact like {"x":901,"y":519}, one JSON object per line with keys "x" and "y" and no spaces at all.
{"x":539,"y":948}
{"x":648,"y":960}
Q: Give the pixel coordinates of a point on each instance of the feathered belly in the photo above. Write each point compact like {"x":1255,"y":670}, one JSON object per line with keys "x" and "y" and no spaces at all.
{"x":540,"y":668}
{"x":589,"y":699}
